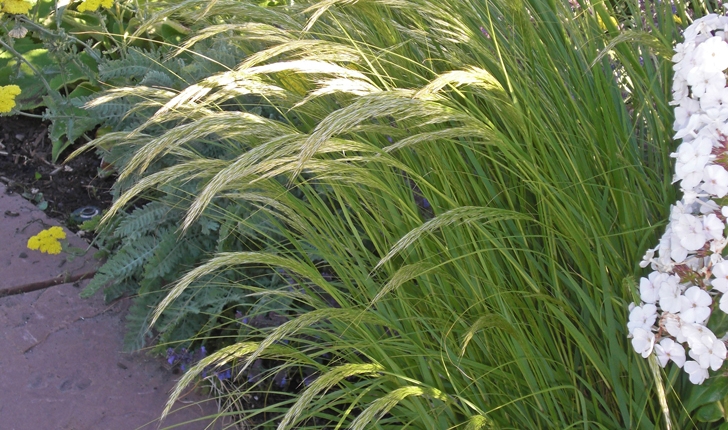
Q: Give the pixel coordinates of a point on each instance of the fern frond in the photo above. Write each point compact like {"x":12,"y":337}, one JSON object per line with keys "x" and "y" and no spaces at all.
{"x":137,"y":321}
{"x":157,"y":78}
{"x":135,"y":65}
{"x":124,"y":264}
{"x":170,"y":251}
{"x":141,"y":221}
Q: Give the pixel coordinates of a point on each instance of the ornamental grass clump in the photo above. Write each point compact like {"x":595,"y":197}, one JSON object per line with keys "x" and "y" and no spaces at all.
{"x":456,"y":193}
{"x":690,"y":277}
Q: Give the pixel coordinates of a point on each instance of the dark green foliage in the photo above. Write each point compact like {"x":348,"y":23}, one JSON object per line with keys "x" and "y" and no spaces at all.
{"x":149,"y":251}
{"x":133,"y":67}
{"x":123,"y":265}
{"x":141,"y":221}
{"x":157,"y":78}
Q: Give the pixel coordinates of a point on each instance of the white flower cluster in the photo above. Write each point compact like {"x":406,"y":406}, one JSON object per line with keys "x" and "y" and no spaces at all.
{"x":690,"y":276}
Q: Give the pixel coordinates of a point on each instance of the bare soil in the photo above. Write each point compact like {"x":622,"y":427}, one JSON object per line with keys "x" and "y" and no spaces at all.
{"x":27,"y":168}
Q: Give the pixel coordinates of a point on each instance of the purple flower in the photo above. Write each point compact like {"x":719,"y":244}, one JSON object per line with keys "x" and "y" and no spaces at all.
{"x":225,"y":374}
{"x":170,"y":356}
{"x":308,"y":380}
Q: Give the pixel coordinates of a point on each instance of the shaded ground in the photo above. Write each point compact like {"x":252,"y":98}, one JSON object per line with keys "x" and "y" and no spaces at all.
{"x":26,"y":167}
{"x":61,"y":365}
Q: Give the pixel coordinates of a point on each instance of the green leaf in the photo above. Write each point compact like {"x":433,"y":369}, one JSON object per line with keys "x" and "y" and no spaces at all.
{"x":83,"y":90}
{"x":718,"y":323}
{"x":173,"y":32}
{"x":72,"y":73}
{"x":710,"y":413}
{"x":714,"y":389}
{"x":69,"y":123}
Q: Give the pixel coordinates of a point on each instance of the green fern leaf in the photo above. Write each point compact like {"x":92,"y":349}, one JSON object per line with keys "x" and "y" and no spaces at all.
{"x":157,"y":78}
{"x":124,"y":264}
{"x":141,"y":221}
{"x":169,"y":253}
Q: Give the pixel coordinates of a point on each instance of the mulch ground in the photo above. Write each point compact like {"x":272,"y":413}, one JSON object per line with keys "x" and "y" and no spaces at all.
{"x":26,"y":166}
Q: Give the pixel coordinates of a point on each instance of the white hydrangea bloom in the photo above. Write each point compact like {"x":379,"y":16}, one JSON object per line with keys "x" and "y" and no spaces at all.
{"x":667,"y":350}
{"x":709,"y":352}
{"x":716,"y":247}
{"x":697,"y":373}
{"x":643,"y":317}
{"x":690,"y":275}
{"x":690,"y":232}
{"x":694,"y":332}
{"x":689,"y":131}
{"x":670,"y":294}
{"x":708,"y":206}
{"x":649,"y":292}
{"x":687,"y":109}
{"x":688,"y":63}
{"x":713,"y":226}
{"x":648,"y":258}
{"x":674,"y":326}
{"x":695,"y":305}
{"x":715,"y":180}
{"x":643,"y":341}
{"x":723,"y":304}
{"x":714,"y":100}
{"x":692,"y":157}
{"x":681,"y":49}
{"x":703,"y":79}
{"x":720,"y":273}
{"x":713,"y":54}
{"x":677,"y":252}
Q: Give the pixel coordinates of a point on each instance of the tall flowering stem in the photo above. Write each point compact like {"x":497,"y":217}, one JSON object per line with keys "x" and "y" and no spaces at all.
{"x":690,"y":271}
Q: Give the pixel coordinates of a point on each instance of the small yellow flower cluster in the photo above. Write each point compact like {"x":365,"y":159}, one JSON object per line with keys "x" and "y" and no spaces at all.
{"x":16,"y":6}
{"x":7,"y":97}
{"x":92,"y":5}
{"x":47,"y":240}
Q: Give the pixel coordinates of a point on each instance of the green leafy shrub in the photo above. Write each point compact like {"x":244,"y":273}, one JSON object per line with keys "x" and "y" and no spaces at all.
{"x":147,"y":250}
{"x":53,"y":53}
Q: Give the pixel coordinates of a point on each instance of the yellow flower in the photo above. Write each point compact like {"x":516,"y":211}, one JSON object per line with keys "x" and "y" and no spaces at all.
{"x":48,"y":240}
{"x":16,"y":6}
{"x":56,"y":232}
{"x":92,"y":5}
{"x":34,"y":243}
{"x":603,"y":26}
{"x":52,"y":247}
{"x":7,"y":97}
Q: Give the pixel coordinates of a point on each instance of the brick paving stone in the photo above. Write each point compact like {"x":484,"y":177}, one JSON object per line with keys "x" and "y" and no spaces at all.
{"x":22,"y":269}
{"x":61,"y":368}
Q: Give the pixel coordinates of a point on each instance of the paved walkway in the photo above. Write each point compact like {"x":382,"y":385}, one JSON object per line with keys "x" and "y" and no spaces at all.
{"x":61,"y":365}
